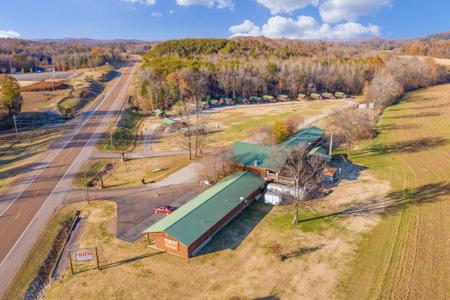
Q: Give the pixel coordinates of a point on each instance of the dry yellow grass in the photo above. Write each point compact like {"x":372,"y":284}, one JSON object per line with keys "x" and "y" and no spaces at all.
{"x":239,"y":123}
{"x":16,"y":158}
{"x":237,"y":263}
{"x":407,"y":255}
{"x":130,"y":173}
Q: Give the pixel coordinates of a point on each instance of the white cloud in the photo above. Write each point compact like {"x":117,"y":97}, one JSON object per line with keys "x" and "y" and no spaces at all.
{"x":156,"y":14}
{"x":146,"y":2}
{"x":4,"y":34}
{"x":286,"y":6}
{"x":209,"y":3}
{"x":333,"y":11}
{"x":305,"y":27}
{"x":171,"y":11}
{"x":247,"y":28}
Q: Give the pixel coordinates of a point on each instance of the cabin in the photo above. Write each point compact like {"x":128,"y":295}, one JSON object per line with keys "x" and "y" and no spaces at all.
{"x":159,"y":113}
{"x":255,"y":99}
{"x":213,"y":102}
{"x":268,"y":98}
{"x":192,"y":226}
{"x":340,"y":95}
{"x":242,"y":100}
{"x":302,"y":97}
{"x":315,"y":96}
{"x":268,"y":161}
{"x":328,"y":96}
{"x":283,"y":98}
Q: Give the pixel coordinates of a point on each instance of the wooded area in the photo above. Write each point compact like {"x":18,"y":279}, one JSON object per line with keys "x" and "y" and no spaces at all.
{"x":32,"y":56}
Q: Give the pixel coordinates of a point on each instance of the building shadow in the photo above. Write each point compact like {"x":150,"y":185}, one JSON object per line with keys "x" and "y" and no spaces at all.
{"x":234,"y":233}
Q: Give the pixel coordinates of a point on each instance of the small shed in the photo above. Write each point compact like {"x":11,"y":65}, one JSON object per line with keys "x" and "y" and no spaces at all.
{"x":301,"y":97}
{"x":191,"y":227}
{"x":159,"y":113}
{"x":242,"y":100}
{"x":340,"y":95}
{"x":283,"y":98}
{"x":315,"y":96}
{"x":268,"y":98}
{"x":255,"y":99}
{"x":328,"y":96}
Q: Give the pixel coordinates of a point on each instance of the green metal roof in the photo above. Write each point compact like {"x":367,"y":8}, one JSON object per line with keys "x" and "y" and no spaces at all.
{"x":306,"y":136}
{"x":167,"y":121}
{"x":262,"y":156}
{"x":192,"y":220}
{"x":321,"y":152}
{"x":158,"y":112}
{"x":273,"y":157}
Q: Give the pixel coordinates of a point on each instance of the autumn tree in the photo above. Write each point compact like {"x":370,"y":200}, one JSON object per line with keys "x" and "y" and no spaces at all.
{"x":10,"y":98}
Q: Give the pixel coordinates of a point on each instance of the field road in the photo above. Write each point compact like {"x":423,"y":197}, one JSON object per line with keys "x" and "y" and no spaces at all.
{"x":29,"y":204}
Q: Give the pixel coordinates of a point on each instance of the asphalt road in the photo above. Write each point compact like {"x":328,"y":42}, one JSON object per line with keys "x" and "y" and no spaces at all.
{"x":27,"y":206}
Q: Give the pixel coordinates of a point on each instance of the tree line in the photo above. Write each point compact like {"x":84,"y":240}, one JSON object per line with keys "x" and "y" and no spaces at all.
{"x":31,"y":56}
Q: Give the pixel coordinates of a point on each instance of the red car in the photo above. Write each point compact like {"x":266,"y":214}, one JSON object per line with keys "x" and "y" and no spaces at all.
{"x":164,"y":209}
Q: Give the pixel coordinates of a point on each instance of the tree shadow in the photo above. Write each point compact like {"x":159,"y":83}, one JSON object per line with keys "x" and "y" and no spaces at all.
{"x":129,"y":260}
{"x":232,"y":235}
{"x":413,"y":116}
{"x":300,"y":252}
{"x":270,"y":297}
{"x":405,"y":146}
{"x":387,"y":127}
{"x":395,"y":201}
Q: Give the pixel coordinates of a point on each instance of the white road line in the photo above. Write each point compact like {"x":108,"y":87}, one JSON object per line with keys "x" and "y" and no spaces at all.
{"x":57,"y":185}
{"x":81,"y":126}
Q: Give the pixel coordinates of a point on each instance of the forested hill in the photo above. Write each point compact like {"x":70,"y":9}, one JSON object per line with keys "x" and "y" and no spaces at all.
{"x":437,"y":45}
{"x":26,"y":55}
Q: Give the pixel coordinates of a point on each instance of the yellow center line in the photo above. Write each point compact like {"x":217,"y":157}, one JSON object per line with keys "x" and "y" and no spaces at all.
{"x":18,"y":215}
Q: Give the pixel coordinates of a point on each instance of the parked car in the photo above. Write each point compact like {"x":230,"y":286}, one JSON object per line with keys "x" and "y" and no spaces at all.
{"x":164,"y":209}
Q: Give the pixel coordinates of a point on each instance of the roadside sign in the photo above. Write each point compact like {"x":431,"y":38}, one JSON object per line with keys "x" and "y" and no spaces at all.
{"x":84,"y":256}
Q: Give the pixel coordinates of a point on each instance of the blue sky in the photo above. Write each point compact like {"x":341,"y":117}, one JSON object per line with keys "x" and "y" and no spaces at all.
{"x":167,"y":19}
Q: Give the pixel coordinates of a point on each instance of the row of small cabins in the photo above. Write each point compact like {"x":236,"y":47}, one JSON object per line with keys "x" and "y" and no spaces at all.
{"x":268,"y":98}
{"x":188,"y":229}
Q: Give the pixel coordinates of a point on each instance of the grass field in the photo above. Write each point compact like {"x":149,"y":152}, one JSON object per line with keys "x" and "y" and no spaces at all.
{"x":240,"y":123}
{"x":125,"y":136}
{"x":40,"y":101}
{"x":131,"y":173}
{"x":15,"y":158}
{"x":407,"y":256}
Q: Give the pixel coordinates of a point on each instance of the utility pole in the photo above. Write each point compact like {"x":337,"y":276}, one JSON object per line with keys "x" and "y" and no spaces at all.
{"x":331,"y":145}
{"x":53,"y":79}
{"x":10,"y":64}
{"x":86,"y":187}
{"x":15,"y":127}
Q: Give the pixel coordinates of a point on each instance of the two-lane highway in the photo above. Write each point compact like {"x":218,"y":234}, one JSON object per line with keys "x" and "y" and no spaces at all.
{"x":25,"y":215}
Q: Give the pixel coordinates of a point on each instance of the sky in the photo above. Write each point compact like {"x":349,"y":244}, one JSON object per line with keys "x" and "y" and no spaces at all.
{"x":170,"y":19}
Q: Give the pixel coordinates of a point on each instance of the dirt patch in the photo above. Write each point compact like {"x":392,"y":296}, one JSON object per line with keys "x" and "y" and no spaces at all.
{"x":43,"y":86}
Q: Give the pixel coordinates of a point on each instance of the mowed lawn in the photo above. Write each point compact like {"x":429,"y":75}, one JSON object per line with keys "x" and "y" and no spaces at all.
{"x":407,"y":255}
{"x":243,"y":122}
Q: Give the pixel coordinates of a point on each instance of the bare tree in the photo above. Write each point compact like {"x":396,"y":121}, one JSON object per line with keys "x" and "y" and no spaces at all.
{"x":217,"y":166}
{"x":352,"y":125}
{"x":306,"y":173}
